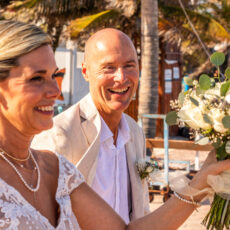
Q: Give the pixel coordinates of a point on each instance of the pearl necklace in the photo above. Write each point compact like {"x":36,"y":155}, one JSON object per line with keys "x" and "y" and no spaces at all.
{"x":20,"y":175}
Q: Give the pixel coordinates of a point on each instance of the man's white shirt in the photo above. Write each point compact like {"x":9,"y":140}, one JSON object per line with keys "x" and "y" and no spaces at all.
{"x":112,"y":181}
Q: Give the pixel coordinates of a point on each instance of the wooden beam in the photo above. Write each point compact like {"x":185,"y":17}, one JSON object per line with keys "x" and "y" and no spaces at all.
{"x":177,"y":144}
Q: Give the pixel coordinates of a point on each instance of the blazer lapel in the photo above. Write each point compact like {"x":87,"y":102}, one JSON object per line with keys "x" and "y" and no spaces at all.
{"x":91,"y":126}
{"x":135,"y":181}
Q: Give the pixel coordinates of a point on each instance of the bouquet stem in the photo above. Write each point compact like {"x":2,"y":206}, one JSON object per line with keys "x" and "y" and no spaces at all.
{"x":218,"y":216}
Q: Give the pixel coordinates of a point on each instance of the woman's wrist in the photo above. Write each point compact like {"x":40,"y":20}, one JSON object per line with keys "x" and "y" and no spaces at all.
{"x":187,"y":199}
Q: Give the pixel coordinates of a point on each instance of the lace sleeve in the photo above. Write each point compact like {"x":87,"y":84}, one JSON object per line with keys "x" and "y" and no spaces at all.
{"x":69,"y":176}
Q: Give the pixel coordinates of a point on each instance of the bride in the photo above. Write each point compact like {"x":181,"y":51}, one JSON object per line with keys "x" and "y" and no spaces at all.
{"x":42,"y":190}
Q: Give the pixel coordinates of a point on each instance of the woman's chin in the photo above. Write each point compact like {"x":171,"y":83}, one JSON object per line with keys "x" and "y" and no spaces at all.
{"x":44,"y":127}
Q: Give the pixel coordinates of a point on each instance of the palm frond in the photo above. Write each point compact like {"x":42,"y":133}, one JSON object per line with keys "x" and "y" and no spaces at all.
{"x":79,"y":24}
{"x":17,"y":5}
{"x":214,"y":31}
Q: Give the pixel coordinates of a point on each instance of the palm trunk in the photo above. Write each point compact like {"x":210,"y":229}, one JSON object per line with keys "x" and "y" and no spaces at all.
{"x":148,"y":96}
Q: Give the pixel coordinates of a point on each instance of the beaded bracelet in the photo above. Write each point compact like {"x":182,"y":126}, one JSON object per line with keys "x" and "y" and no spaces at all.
{"x":197,"y":204}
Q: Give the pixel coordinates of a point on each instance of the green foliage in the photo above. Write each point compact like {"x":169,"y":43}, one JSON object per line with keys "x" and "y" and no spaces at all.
{"x":227,"y":73}
{"x":227,"y":147}
{"x":171,"y":118}
{"x":217,"y":143}
{"x":17,"y":5}
{"x":207,"y":119}
{"x":194,"y":101}
{"x":205,"y":82}
{"x":217,"y":58}
{"x":203,"y":141}
{"x":181,"y":98}
{"x":220,"y":152}
{"x":77,"y":25}
{"x":224,"y":88}
{"x":226,"y":122}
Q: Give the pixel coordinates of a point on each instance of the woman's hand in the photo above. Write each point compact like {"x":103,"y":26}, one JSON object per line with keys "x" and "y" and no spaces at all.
{"x":210,"y":167}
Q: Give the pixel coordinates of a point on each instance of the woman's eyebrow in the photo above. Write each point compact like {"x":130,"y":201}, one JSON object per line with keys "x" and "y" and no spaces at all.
{"x":40,"y":71}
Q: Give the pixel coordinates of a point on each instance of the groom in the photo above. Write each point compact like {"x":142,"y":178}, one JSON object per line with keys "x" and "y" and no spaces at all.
{"x":96,"y":135}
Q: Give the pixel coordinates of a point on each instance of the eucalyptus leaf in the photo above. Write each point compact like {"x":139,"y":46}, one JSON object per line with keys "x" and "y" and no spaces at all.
{"x":171,"y":118}
{"x":202,"y":141}
{"x":227,"y":73}
{"x":205,"y":82}
{"x":194,"y":101}
{"x":181,"y":98}
{"x":207,"y":119}
{"x":227,"y":147}
{"x":188,"y":81}
{"x":221,"y":152}
{"x":226,"y":122}
{"x":224,"y":88}
{"x":217,"y":58}
{"x":216,"y":144}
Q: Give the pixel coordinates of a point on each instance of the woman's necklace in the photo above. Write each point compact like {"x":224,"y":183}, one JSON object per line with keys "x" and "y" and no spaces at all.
{"x":14,"y":158}
{"x":20,"y":175}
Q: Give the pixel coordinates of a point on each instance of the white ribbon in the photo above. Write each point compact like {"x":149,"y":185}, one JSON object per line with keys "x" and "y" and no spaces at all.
{"x":180,"y":184}
{"x":220,"y":184}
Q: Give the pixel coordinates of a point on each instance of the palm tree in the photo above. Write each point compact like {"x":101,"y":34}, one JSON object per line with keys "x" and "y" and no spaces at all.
{"x":52,"y":15}
{"x":148,"y":94}
{"x":211,"y":21}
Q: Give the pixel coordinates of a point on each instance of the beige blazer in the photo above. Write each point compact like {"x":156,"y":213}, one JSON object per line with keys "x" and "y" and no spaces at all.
{"x":76,"y":135}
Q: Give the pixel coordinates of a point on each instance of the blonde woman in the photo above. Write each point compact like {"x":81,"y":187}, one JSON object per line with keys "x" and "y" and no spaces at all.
{"x":39,"y":189}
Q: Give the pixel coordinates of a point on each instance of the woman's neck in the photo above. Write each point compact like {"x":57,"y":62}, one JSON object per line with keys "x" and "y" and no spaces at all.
{"x":14,"y":142}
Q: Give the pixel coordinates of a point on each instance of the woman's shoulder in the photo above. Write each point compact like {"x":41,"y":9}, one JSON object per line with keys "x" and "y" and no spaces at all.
{"x":47,"y":159}
{"x":70,"y":176}
{"x":63,"y":171}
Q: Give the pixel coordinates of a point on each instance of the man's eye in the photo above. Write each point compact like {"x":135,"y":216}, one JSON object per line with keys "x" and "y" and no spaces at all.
{"x":109,"y":67}
{"x":129,"y":66}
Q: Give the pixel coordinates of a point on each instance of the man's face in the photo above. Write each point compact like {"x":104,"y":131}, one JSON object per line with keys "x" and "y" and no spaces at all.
{"x":113,"y":74}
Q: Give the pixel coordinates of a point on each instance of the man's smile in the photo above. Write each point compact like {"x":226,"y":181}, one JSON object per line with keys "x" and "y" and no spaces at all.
{"x":119,"y":91}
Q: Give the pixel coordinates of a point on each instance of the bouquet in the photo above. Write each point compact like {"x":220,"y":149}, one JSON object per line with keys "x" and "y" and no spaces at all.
{"x":205,"y":108}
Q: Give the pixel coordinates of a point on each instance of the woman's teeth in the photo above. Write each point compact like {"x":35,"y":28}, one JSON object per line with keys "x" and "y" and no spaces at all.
{"x":45,"y":108}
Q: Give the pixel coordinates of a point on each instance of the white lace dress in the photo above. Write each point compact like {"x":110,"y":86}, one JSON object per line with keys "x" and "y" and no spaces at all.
{"x":18,"y":214}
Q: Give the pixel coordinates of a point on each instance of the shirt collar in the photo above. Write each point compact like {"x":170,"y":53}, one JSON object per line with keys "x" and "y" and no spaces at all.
{"x":91,"y":103}
{"x":123,"y":129}
{"x":123,"y":132}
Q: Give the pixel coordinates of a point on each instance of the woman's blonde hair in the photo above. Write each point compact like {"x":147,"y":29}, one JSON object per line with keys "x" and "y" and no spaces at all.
{"x":17,"y":39}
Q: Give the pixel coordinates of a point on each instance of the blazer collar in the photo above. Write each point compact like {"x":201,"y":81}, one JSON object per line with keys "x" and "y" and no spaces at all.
{"x":87,"y":108}
{"x":91,"y":126}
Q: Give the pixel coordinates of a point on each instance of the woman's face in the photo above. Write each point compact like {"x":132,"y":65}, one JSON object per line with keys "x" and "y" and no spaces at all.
{"x":27,"y":96}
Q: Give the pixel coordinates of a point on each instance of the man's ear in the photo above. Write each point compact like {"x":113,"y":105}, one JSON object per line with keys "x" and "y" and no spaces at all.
{"x":84,"y":71}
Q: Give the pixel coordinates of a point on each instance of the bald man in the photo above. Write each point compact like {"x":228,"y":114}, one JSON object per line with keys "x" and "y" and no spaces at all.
{"x":96,"y":135}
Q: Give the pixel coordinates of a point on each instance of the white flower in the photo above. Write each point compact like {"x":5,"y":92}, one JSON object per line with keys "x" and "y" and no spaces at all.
{"x":214,"y":91}
{"x":217,"y":116}
{"x":227,"y":96}
{"x":195,"y":82}
{"x":149,"y":169}
{"x":192,"y":115}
